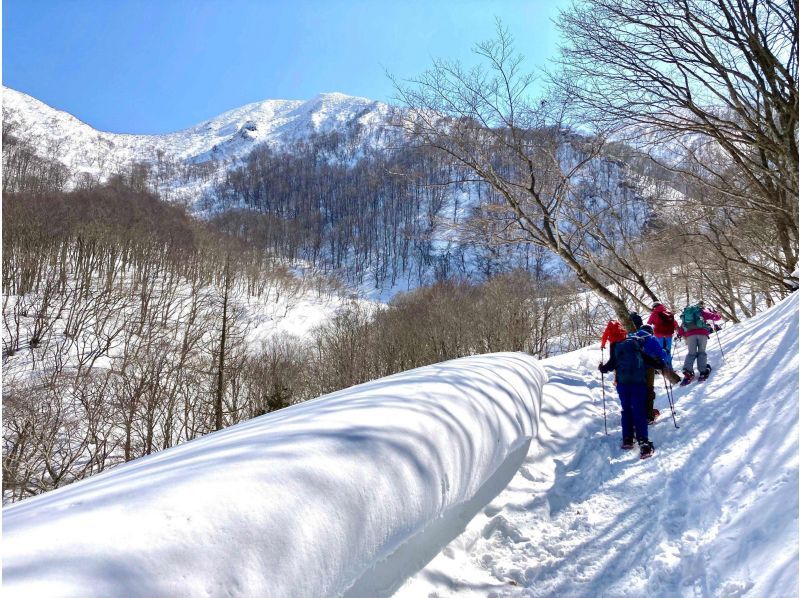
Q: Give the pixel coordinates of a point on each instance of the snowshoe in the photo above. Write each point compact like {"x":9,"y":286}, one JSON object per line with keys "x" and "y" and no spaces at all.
{"x":653,"y":417}
{"x":704,"y":376}
{"x":627,"y":444}
{"x":687,"y":378}
{"x":646,"y":450}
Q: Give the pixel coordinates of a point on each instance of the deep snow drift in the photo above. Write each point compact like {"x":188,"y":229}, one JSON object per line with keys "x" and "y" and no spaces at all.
{"x":713,"y":513}
{"x":301,"y":502}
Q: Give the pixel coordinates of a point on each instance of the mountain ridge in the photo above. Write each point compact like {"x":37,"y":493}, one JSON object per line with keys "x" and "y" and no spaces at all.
{"x":230,"y":135}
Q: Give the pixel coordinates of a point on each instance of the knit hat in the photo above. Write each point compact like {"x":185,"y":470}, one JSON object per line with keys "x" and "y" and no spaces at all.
{"x":647,"y":328}
{"x":614,"y":333}
{"x":656,"y":304}
{"x":637,"y":319}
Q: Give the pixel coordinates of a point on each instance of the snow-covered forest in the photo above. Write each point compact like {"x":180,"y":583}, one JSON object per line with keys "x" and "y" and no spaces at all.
{"x":361,"y":339}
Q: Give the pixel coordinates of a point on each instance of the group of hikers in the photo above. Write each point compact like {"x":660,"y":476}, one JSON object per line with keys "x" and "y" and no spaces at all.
{"x":635,"y":358}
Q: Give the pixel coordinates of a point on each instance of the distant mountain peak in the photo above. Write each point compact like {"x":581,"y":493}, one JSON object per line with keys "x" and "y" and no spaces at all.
{"x":227,"y":137}
{"x":339,"y":96}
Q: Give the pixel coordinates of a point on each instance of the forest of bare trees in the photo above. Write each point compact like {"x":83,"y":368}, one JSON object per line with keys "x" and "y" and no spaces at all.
{"x":374,"y":218}
{"x":124,"y":323}
{"x":126,"y":331}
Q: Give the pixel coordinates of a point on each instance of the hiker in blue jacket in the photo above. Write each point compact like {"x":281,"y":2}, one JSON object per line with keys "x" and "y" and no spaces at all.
{"x":630,"y":361}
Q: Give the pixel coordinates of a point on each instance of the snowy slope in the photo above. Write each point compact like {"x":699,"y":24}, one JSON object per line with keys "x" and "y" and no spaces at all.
{"x":361,"y":488}
{"x":230,"y":135}
{"x":713,"y":513}
{"x":310,"y":501}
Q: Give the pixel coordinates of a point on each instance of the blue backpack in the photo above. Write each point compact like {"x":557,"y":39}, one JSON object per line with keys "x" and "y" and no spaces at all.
{"x":630,"y":360}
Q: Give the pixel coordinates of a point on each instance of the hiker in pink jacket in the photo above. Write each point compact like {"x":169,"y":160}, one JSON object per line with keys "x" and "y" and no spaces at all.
{"x":695,"y":329}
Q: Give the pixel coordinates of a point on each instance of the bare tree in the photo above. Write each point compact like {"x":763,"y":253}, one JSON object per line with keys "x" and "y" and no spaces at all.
{"x":710,"y":87}
{"x":486,"y":122}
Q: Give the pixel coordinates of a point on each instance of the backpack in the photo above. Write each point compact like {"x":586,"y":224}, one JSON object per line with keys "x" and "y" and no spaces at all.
{"x":667,"y":321}
{"x":691,"y":318}
{"x":630,"y":360}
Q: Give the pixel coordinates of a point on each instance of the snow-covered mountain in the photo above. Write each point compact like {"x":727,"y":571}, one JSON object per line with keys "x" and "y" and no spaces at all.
{"x":227,"y":137}
{"x":351,"y":493}
{"x":379,"y":232}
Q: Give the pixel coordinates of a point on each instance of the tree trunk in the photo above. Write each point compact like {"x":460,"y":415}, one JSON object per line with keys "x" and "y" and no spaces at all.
{"x":616,"y":303}
{"x":221,"y":361}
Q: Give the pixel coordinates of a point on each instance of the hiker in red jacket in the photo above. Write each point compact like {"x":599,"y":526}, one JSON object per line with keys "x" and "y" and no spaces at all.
{"x":664,"y":325}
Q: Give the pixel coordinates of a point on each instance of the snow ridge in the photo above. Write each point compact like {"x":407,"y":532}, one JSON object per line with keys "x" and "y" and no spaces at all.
{"x":306,"y":501}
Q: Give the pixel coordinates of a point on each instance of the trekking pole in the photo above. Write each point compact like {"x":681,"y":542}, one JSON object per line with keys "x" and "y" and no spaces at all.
{"x":670,"y":398}
{"x":716,"y":332}
{"x":603,"y":386}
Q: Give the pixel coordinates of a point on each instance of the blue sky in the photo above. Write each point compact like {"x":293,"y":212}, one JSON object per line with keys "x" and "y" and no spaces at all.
{"x":153,"y":66}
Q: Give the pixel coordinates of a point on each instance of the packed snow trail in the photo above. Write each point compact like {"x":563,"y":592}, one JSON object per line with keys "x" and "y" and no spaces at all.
{"x":713,"y":513}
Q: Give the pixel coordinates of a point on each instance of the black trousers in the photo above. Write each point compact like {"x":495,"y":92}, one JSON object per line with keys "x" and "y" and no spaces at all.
{"x":650,"y":377}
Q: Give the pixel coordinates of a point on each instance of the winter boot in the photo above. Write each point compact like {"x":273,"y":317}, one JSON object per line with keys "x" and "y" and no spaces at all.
{"x":627,"y":444}
{"x":705,"y":374}
{"x":687,"y":377}
{"x":646,"y":449}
